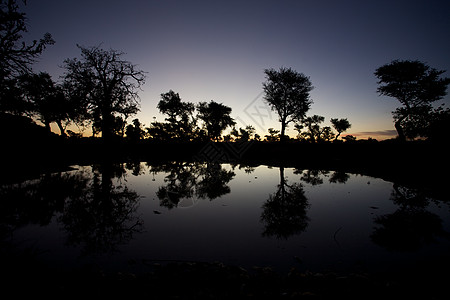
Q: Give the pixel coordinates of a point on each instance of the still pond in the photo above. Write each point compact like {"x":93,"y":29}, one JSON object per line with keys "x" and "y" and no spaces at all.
{"x":129,"y":216}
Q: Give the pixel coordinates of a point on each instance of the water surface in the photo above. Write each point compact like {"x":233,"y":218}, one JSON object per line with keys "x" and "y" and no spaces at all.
{"x":129,"y":216}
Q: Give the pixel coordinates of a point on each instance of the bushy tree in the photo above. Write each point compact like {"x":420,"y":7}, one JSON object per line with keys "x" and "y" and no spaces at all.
{"x":415,"y":85}
{"x":46,"y":101}
{"x":16,"y":56}
{"x":216,"y":118}
{"x":273,"y":136}
{"x":340,"y":125}
{"x":182,"y":123}
{"x":287,"y":93}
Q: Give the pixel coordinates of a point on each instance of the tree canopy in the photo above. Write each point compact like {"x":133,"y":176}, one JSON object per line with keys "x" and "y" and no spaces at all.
{"x":105,"y":84}
{"x":16,"y":56}
{"x":287,"y":93}
{"x":216,"y":118}
{"x":415,"y":85}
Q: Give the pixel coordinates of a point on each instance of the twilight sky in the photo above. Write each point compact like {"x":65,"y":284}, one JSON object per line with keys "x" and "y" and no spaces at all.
{"x":218,"y":50}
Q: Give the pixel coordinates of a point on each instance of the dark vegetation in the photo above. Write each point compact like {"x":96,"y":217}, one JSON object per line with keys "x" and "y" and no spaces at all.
{"x":100,"y":91}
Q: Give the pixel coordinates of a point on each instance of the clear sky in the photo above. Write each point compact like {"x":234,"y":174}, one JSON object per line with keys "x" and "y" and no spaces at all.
{"x":218,"y":50}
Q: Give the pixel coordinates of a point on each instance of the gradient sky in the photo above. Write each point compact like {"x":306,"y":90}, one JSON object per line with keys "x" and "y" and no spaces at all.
{"x":218,"y":50}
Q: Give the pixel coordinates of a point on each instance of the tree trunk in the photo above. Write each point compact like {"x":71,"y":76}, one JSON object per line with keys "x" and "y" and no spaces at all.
{"x":61,"y":128}
{"x":283,"y":130}
{"x":47,"y":126}
{"x":107,"y":124}
{"x":335,"y":139}
{"x":399,"y":128}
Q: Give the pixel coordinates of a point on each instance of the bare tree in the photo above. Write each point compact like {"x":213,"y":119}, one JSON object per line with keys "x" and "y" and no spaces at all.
{"x":105,"y":84}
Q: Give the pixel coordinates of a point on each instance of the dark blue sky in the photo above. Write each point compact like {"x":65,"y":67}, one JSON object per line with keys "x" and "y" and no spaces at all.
{"x":217,"y":50}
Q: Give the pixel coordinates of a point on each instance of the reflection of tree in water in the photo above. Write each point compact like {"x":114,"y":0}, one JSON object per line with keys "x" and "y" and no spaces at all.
{"x":93,"y":210}
{"x":315,"y":177}
{"x":339,"y":177}
{"x":37,"y":201}
{"x":214,"y":180}
{"x":411,"y":226}
{"x":102,"y":217}
{"x":285,"y":212}
{"x":192,"y":180}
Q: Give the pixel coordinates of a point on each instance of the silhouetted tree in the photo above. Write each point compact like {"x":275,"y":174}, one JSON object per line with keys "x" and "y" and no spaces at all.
{"x":415,"y":85}
{"x":349,"y":138}
{"x":273,"y":135}
{"x":46,"y":100}
{"x":244,"y":134}
{"x":438,"y":128}
{"x":287,"y":93}
{"x":105,"y":84}
{"x":180,"y":115}
{"x":134,"y":131}
{"x":312,"y":125}
{"x":216,"y":118}
{"x":340,"y":125}
{"x":16,"y":56}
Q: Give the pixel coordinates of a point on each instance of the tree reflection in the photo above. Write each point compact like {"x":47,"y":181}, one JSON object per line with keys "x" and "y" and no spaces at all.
{"x":339,"y":177}
{"x":103,"y":216}
{"x":95,"y":213}
{"x":192,"y":181}
{"x":37,"y":201}
{"x":411,"y":226}
{"x":285,"y":212}
{"x":316,"y":176}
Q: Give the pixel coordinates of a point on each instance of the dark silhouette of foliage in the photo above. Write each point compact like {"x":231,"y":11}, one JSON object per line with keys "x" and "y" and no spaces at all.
{"x":216,"y":118}
{"x":273,"y":136}
{"x":339,"y":177}
{"x":182,"y":124}
{"x":285,"y":212}
{"x":46,"y":101}
{"x":349,"y":138}
{"x":340,"y":125}
{"x":102,"y":216}
{"x":135,"y":132}
{"x":105,"y":85}
{"x":415,"y":85}
{"x":287,"y":93}
{"x":16,"y":56}
{"x":192,"y":181}
{"x":411,"y":226}
{"x":312,"y":125}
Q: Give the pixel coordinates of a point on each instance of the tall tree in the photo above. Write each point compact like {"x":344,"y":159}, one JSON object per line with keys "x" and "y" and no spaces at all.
{"x":287,"y":93}
{"x":216,"y":118}
{"x":105,"y":84}
{"x":415,"y":85}
{"x":180,"y":115}
{"x":16,"y":56}
{"x":340,"y":125}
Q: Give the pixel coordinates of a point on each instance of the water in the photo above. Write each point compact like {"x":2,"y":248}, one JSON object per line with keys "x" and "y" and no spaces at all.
{"x":126,"y":217}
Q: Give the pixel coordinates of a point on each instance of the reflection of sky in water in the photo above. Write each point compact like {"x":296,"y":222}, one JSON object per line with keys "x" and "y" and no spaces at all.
{"x":229,"y":228}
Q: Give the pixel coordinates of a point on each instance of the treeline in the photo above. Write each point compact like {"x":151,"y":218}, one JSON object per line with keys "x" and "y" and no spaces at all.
{"x":100,"y":89}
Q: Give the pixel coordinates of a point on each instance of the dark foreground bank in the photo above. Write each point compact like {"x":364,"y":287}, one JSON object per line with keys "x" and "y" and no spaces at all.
{"x":194,"y":280}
